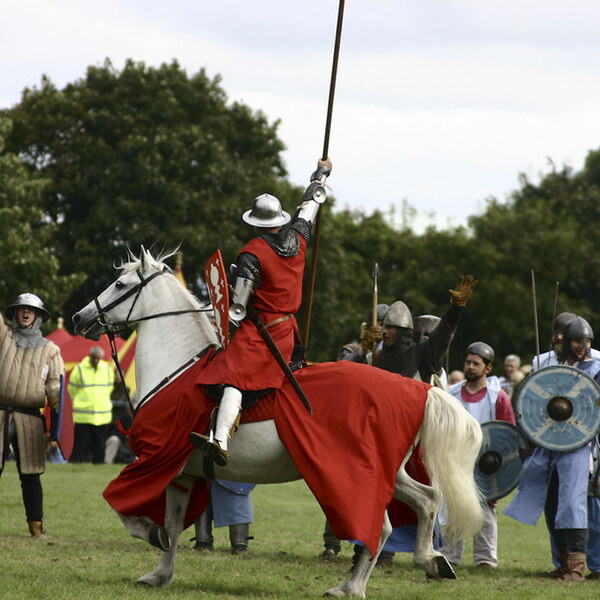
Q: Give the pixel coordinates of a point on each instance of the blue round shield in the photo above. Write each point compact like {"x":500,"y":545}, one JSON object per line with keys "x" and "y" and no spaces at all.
{"x":558,"y":408}
{"x":500,"y":460}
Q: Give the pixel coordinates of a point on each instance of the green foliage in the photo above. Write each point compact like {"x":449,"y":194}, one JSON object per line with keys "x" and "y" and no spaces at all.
{"x":27,"y":239}
{"x":144,"y":156}
{"x":155,"y":156}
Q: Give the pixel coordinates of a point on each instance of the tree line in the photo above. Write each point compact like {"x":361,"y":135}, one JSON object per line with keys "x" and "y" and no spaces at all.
{"x":154,"y":156}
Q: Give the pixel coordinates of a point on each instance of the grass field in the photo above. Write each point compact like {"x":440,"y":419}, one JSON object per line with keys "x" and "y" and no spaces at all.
{"x":90,"y":555}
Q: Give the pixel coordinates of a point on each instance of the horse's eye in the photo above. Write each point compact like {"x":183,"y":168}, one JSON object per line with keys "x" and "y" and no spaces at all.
{"x":119,"y":284}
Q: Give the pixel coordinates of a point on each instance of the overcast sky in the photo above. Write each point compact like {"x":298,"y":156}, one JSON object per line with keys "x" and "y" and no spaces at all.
{"x":440,"y":103}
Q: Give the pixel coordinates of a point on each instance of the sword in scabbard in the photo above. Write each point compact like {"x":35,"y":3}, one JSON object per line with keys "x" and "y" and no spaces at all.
{"x":266,"y":336}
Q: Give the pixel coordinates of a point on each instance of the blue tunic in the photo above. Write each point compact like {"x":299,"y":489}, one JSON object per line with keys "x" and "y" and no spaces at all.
{"x":572,"y":469}
{"x":231,"y":502}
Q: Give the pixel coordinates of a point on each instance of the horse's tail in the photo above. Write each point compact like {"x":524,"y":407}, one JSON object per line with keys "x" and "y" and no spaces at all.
{"x":450,"y":442}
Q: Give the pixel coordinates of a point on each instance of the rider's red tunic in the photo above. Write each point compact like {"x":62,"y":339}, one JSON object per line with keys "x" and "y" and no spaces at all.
{"x":247,"y":363}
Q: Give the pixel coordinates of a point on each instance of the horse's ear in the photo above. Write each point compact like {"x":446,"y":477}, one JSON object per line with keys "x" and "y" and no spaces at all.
{"x":143,"y":258}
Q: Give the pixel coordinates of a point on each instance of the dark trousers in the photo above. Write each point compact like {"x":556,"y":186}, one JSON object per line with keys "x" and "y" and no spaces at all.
{"x":31,"y":486}
{"x":89,"y":443}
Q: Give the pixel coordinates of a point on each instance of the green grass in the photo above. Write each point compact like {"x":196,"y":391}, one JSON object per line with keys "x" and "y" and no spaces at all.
{"x":90,"y":555}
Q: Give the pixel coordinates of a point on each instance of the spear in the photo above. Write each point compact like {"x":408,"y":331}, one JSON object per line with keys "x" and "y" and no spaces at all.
{"x":375,"y":294}
{"x":315,"y":251}
{"x":535,"y":319}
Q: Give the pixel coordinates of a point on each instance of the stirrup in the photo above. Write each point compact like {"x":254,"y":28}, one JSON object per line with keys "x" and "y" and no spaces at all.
{"x":210,"y":449}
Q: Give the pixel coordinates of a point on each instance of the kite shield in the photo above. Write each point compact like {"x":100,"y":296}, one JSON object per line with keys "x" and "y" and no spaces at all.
{"x":216,"y":281}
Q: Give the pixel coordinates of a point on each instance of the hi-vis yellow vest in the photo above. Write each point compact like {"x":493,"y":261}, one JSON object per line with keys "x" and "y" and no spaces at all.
{"x":90,"y":390}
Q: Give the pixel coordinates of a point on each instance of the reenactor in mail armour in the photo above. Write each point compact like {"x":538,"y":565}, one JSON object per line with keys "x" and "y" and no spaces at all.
{"x":268,"y":276}
{"x":400,"y":354}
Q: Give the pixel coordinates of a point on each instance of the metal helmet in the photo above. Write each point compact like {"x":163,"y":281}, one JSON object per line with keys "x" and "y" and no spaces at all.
{"x":578,"y":328}
{"x":398,"y":315}
{"x":482,"y":349}
{"x":266,"y":212}
{"x":423,"y":326}
{"x":30,"y":300}
{"x":562,"y":320}
{"x":381,"y":310}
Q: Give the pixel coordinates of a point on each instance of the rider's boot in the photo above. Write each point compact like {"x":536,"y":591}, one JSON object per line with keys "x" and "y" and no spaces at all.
{"x":227,"y":417}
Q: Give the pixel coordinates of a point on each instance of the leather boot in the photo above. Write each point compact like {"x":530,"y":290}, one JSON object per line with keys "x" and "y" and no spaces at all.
{"x":575,"y":567}
{"x":559,"y":571}
{"x":36,"y":529}
{"x":238,"y":536}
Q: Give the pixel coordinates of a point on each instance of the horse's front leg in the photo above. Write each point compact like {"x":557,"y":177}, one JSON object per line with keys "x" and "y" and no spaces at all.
{"x":145,"y":529}
{"x":356,"y":586}
{"x":425,"y":501}
{"x":178,"y":496}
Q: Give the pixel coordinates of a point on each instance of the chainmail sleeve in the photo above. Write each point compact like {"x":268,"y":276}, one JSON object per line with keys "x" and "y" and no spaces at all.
{"x":248,"y":267}
{"x":302,"y":227}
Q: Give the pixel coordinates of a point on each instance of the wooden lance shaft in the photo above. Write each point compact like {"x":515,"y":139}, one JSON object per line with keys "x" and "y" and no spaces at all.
{"x":317,"y":234}
{"x":375,"y":321}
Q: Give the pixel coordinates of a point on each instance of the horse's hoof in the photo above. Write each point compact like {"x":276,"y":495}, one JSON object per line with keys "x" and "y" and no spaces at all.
{"x":159,"y":538}
{"x":444,"y":568}
{"x":153,"y":580}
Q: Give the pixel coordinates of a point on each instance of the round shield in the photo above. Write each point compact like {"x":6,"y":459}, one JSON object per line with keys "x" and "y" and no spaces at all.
{"x":558,"y":408}
{"x":500,"y":460}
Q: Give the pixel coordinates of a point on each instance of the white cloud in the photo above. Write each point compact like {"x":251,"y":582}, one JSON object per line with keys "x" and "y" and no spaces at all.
{"x":438,"y":103}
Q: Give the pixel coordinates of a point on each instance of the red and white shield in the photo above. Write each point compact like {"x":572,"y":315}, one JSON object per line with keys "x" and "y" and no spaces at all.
{"x":216,"y":281}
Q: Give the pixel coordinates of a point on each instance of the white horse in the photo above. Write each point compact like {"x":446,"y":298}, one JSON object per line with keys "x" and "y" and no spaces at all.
{"x":171,"y":328}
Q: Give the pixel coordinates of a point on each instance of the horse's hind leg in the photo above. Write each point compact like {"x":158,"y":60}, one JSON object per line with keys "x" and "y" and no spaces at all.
{"x":178,"y":496}
{"x":356,"y":586}
{"x":425,"y":501}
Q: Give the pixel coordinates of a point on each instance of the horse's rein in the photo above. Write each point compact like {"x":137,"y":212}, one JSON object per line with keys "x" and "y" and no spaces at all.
{"x":116,"y":327}
{"x":112,"y":328}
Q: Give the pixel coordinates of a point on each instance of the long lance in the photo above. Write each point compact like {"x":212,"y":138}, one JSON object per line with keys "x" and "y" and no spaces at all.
{"x":374,"y":320}
{"x":535,"y":319}
{"x":315,"y":250}
{"x":554,"y":314}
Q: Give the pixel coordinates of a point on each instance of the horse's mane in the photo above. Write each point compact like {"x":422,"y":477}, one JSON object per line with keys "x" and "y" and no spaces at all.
{"x":155,"y":263}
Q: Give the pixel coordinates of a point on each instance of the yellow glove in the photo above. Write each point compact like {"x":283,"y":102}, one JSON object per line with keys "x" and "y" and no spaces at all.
{"x":464,"y":288}
{"x":369,"y":335}
{"x":54,"y":403}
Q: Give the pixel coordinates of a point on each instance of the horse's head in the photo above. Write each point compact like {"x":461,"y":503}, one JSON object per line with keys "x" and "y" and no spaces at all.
{"x":117,"y":307}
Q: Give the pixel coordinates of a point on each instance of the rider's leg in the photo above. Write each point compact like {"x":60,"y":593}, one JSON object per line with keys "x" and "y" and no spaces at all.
{"x":229,"y":410}
{"x":227,"y":417}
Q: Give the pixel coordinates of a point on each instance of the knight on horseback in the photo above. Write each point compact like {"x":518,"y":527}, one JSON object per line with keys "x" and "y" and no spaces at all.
{"x":268,"y":277}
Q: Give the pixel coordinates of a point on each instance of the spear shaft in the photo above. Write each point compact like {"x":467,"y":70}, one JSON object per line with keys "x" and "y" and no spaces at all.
{"x":315,"y":249}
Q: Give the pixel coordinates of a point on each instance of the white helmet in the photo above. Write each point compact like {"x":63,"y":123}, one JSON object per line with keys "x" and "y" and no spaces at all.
{"x":266,"y":212}
{"x":30,"y":300}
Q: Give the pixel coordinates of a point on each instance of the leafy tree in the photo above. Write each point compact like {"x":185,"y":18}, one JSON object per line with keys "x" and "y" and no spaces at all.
{"x":26,"y":238}
{"x":147,"y":156}
{"x":548,"y":228}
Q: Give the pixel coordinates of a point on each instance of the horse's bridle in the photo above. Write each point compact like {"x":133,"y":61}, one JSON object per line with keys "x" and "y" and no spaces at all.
{"x":112,"y":327}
